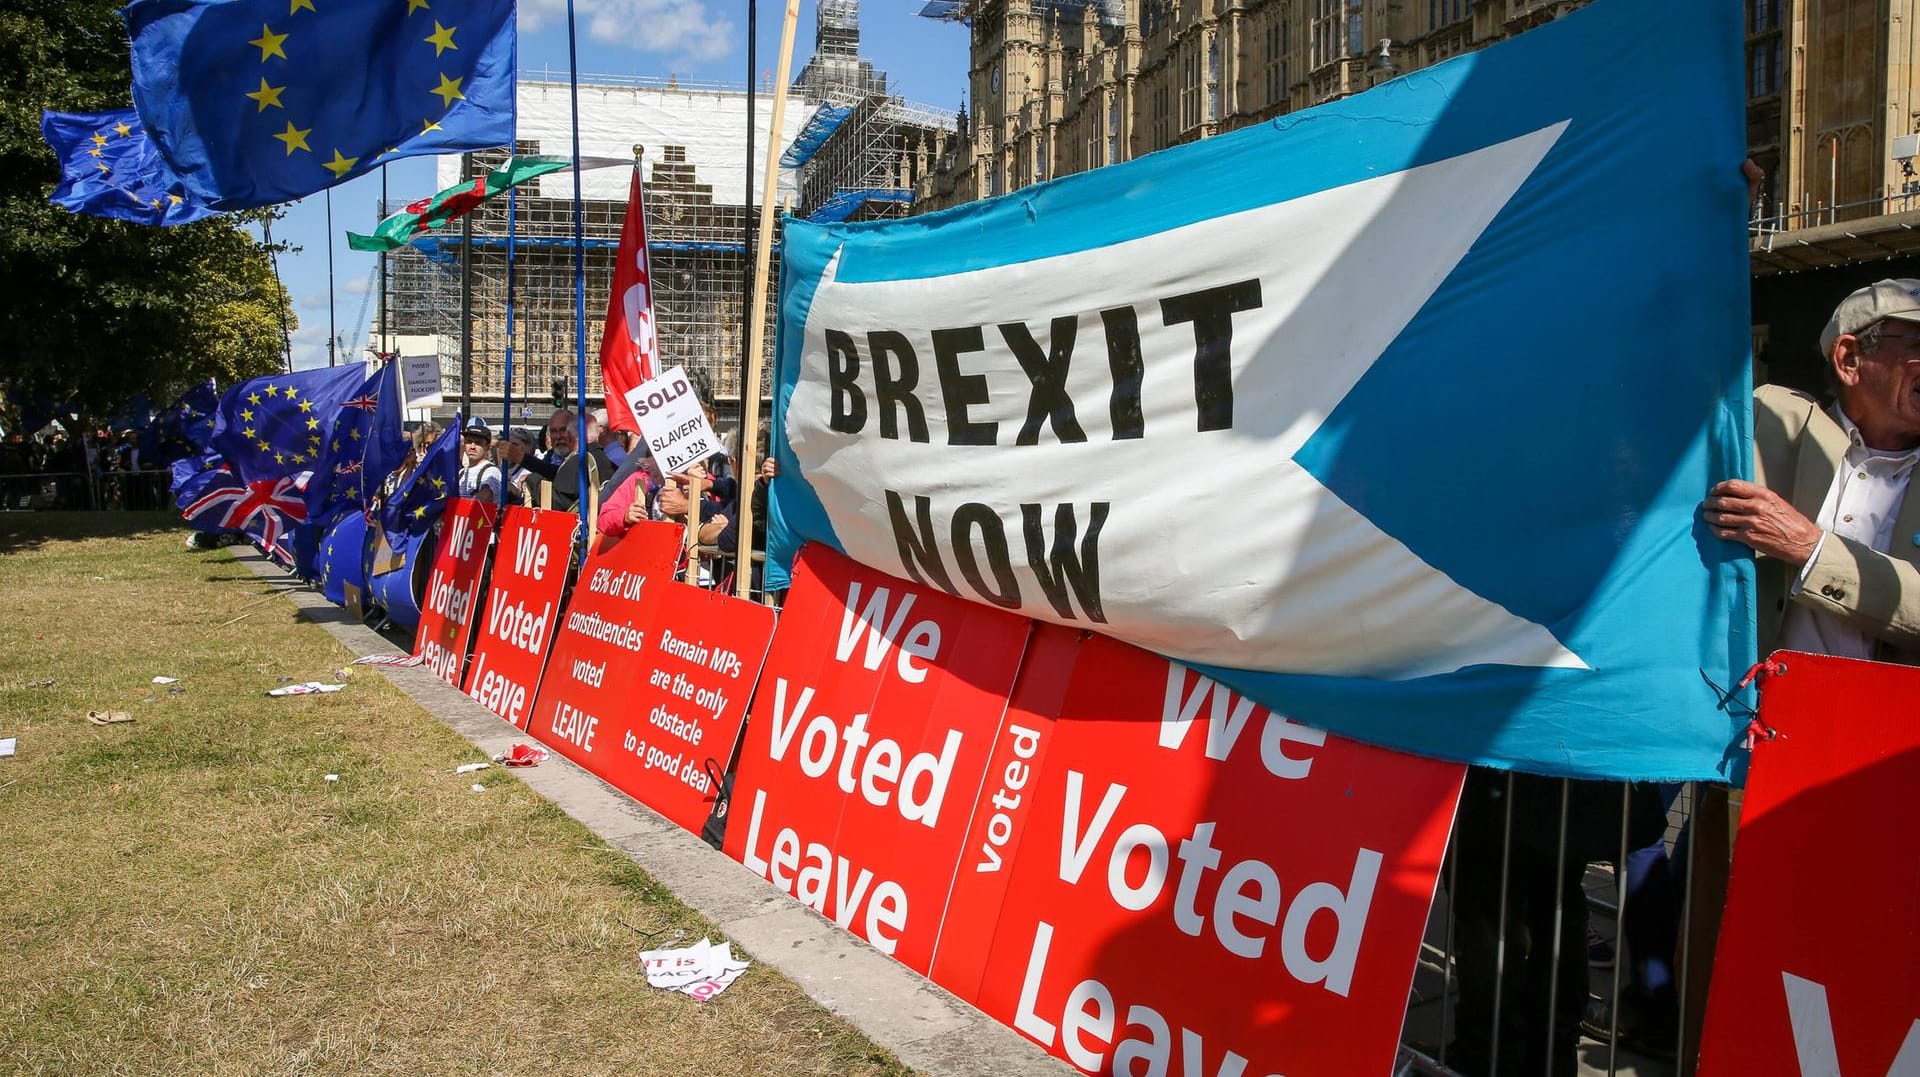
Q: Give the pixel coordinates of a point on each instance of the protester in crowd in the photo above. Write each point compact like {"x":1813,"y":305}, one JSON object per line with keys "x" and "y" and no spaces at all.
{"x":1837,"y":536}
{"x":518,"y":449}
{"x":566,"y":476}
{"x":479,"y":477}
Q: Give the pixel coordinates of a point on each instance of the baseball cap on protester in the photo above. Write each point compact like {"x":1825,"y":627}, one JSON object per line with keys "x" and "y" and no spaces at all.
{"x":477,"y":431}
{"x":1898,"y":299}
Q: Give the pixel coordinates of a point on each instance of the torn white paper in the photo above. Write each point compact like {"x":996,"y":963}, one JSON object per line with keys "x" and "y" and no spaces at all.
{"x":702,"y":970}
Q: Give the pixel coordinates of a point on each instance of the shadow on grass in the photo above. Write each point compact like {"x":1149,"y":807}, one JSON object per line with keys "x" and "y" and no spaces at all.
{"x":33,"y":530}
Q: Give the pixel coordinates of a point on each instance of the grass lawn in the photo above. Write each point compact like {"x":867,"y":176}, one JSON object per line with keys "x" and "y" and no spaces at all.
{"x":185,"y":893}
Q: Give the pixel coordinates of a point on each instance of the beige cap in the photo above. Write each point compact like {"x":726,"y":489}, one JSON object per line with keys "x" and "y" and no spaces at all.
{"x":1897,"y":299}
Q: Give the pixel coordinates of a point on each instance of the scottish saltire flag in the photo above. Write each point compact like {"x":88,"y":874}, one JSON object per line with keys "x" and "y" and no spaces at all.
{"x":254,"y":102}
{"x":422,"y":496}
{"x":110,"y":168}
{"x":1393,"y":414}
{"x":277,"y":425}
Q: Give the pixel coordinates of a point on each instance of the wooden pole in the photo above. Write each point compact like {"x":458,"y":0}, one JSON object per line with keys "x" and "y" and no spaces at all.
{"x":757,"y":316}
{"x":693,"y":528}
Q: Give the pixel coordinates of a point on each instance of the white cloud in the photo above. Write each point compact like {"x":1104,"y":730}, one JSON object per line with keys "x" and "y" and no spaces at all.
{"x":356,"y":285}
{"x":683,"y":29}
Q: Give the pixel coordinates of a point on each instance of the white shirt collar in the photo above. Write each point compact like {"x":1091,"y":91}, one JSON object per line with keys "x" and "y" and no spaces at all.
{"x":1859,"y":452}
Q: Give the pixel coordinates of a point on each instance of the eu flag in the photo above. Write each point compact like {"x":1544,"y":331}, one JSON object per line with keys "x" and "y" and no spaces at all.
{"x":341,"y":479}
{"x":277,"y":425}
{"x":110,"y":168}
{"x":422,"y":496}
{"x":186,"y":428}
{"x":255,"y":102}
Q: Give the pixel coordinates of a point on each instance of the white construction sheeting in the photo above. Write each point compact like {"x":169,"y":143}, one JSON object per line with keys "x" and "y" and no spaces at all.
{"x":710,"y":122}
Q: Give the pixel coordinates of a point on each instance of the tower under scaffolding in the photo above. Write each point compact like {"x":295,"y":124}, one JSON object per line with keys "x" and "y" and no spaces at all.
{"x":862,"y":148}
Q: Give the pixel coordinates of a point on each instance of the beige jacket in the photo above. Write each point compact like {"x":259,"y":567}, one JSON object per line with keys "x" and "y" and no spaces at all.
{"x":1798,"y":449}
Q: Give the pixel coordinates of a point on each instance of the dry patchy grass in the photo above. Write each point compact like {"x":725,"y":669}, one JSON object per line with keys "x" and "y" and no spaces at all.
{"x":186,"y":894}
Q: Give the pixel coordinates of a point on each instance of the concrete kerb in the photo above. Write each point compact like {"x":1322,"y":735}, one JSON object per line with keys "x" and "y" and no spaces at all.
{"x":923,"y":1025}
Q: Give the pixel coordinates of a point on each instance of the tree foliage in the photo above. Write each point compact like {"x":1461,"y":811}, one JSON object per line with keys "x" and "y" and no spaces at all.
{"x":96,"y":311}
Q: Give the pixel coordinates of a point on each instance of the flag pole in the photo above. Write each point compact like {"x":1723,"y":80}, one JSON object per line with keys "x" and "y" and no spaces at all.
{"x":579,"y":278}
{"x":332,"y":337}
{"x":506,"y":376}
{"x":386,"y":342}
{"x":279,"y":301}
{"x":757,"y":313}
{"x":466,"y":299}
{"x":746,"y":203}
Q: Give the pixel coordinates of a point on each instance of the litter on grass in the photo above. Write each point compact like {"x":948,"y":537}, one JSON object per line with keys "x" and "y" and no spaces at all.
{"x":7,"y":745}
{"x":305,"y":688}
{"x":702,"y":970}
{"x":333,"y":777}
{"x":478,"y":788}
{"x":522,"y":755}
{"x":166,"y":680}
{"x":469,"y":768}
{"x":389,"y":660}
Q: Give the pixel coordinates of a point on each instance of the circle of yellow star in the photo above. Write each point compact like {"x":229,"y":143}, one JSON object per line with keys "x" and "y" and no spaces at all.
{"x":426,"y":125}
{"x":253,"y":398}
{"x":340,"y":165}
{"x":269,"y":43}
{"x":292,"y":391}
{"x":449,"y":91}
{"x":272,"y":389}
{"x":416,"y":5}
{"x":441,"y":38}
{"x":123,"y":129}
{"x":296,"y":139}
{"x":267,"y":96}
{"x":296,"y":5}
{"x":99,"y":139}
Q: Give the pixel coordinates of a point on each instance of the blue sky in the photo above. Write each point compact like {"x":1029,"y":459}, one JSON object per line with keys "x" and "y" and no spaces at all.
{"x":694,"y":39}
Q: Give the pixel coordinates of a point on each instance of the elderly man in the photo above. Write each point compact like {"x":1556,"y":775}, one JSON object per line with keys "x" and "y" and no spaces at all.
{"x":1838,"y":538}
{"x":1837,"y":535}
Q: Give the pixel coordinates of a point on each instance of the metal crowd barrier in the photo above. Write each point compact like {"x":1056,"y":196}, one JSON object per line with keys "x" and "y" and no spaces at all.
{"x":144,"y":490}
{"x":1434,"y":1034}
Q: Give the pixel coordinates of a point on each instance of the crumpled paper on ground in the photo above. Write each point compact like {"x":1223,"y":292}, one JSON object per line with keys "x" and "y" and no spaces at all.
{"x":305,"y":688}
{"x":702,"y":970}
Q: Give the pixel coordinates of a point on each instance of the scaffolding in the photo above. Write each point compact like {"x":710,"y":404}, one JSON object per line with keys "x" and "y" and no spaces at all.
{"x":698,"y":258}
{"x":861,"y":162}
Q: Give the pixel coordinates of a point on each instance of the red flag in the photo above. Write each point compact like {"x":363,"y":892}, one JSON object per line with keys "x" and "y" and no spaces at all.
{"x":629,"y":345}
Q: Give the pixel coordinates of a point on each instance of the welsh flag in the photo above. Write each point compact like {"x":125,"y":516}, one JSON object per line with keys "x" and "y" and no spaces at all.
{"x":453,"y":203}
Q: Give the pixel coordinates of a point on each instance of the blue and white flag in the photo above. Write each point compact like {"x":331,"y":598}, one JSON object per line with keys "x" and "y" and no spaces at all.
{"x":1393,"y":414}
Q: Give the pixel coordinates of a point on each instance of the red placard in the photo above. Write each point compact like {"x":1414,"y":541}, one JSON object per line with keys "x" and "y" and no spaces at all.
{"x":686,"y":699}
{"x":600,"y":651}
{"x":1163,"y":876}
{"x":523,"y":610}
{"x":453,"y":587}
{"x":1818,"y":965}
{"x":864,"y":753}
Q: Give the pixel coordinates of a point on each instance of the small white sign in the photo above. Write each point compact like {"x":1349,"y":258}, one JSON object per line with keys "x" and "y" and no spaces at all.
{"x":421,"y":376}
{"x":672,"y":421}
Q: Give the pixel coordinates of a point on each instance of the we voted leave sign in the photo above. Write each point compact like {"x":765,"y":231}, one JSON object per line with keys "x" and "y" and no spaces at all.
{"x":453,"y":588}
{"x":522,"y":611}
{"x":866,"y":747}
{"x":1163,"y":876}
{"x":601,"y":648}
{"x":1817,"y":971}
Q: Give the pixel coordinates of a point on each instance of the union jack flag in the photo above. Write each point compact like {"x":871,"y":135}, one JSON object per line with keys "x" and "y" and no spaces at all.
{"x":265,"y":510}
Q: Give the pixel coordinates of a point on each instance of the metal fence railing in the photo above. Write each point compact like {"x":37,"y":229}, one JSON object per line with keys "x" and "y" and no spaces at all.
{"x":143,"y":490}
{"x":1544,"y":955}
